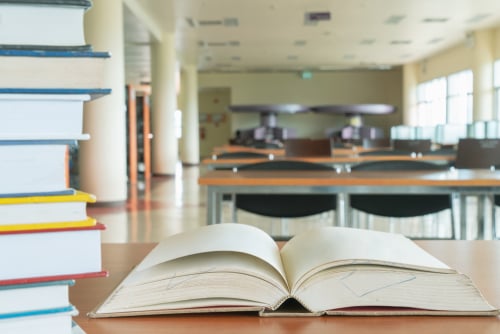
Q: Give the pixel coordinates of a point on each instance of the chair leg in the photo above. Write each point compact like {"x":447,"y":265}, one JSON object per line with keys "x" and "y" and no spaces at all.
{"x":234,"y":217}
{"x":493,"y":218}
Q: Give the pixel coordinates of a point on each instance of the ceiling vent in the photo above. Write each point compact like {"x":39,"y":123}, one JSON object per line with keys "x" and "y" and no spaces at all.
{"x":313,"y":18}
{"x":226,"y":22}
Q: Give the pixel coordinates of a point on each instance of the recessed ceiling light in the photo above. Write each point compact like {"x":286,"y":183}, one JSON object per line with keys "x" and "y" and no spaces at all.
{"x":435,"y":40}
{"x":400,"y":42}
{"x":435,"y":20}
{"x":231,"y":22}
{"x":394,"y":19}
{"x":209,"y":22}
{"x":191,"y":22}
{"x":367,"y":41}
{"x":477,"y":18}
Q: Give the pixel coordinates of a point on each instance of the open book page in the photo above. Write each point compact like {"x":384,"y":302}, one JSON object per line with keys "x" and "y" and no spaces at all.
{"x":322,"y":248}
{"x":238,"y":238}
{"x":358,"y":287}
{"x":236,"y":265}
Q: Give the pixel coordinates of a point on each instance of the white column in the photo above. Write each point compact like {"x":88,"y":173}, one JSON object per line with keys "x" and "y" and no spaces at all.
{"x":190,"y":152}
{"x":103,"y":158}
{"x":482,"y":67}
{"x":410,"y":83}
{"x":163,"y":106}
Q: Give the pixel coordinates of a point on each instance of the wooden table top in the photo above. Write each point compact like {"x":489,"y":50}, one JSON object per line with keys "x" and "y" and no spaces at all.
{"x":456,"y":178}
{"x":335,"y":159}
{"x":478,"y":259}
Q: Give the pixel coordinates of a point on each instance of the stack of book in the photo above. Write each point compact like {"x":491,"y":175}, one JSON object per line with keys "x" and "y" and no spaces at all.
{"x":47,"y":241}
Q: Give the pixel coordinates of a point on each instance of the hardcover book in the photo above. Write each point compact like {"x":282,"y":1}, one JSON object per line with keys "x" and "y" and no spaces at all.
{"x":325,"y":271}
{"x":58,"y":24}
{"x":52,"y":69}
{"x":52,"y":254}
{"x":19,"y":298}
{"x":45,"y":211}
{"x":33,"y":166}
{"x":44,"y":114}
{"x":49,"y":321}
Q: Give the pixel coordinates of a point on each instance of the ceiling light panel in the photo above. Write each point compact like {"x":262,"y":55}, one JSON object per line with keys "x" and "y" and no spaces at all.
{"x":394,"y":19}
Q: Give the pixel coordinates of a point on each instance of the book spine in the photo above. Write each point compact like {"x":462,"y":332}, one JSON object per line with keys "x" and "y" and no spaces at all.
{"x":28,"y":280}
{"x":51,"y":226}
{"x":66,"y":309}
{"x":53,"y":53}
{"x":97,"y":226}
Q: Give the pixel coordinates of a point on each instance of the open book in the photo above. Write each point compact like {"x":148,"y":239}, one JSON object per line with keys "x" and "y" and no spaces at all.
{"x":329,"y":270}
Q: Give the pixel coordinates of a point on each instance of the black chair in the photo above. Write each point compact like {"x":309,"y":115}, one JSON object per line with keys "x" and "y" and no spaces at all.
{"x":401,"y":205}
{"x":473,"y":153}
{"x":286,"y":205}
{"x":412,"y":145}
{"x":236,"y":155}
{"x":241,"y":155}
{"x":378,"y":143}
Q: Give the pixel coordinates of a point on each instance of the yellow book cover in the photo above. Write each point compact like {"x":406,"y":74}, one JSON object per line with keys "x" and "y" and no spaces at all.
{"x":22,"y":213}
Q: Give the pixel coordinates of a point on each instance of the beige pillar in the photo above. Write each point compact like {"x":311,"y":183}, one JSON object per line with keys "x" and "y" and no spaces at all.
{"x":410,"y":83}
{"x":164,"y":106}
{"x":482,"y":67}
{"x":190,"y":149}
{"x":103,"y":158}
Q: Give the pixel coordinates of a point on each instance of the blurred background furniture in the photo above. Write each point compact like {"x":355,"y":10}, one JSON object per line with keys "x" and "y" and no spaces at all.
{"x":284,"y":205}
{"x":305,"y":147}
{"x":401,"y":205}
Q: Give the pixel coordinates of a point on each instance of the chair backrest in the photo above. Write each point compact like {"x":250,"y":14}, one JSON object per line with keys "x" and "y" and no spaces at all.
{"x":394,"y":165}
{"x":305,"y":147}
{"x":241,"y":155}
{"x":477,"y":153}
{"x":285,"y":205}
{"x":399,"y":205}
{"x":377,"y":143}
{"x":412,"y":145}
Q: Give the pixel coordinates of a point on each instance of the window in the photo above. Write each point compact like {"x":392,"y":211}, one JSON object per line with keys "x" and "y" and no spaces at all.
{"x":459,"y":98}
{"x":496,"y":86}
{"x":446,"y":100}
{"x":431,"y":102}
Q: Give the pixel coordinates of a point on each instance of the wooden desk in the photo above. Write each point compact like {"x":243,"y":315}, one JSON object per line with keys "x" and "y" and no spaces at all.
{"x":279,"y":151}
{"x":337,"y":160}
{"x":478,"y":259}
{"x":465,"y":182}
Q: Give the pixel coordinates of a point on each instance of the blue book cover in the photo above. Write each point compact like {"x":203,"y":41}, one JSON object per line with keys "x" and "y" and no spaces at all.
{"x":58,"y":310}
{"x":68,"y":282}
{"x":93,"y":92}
{"x":68,"y":191}
{"x":38,"y":142}
{"x":79,"y":3}
{"x":53,"y":53}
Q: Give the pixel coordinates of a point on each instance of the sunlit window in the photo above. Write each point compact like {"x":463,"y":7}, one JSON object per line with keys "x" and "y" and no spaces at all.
{"x":178,"y":123}
{"x":445,"y":100}
{"x":496,"y":85}
{"x":431,"y":102}
{"x":459,"y":106}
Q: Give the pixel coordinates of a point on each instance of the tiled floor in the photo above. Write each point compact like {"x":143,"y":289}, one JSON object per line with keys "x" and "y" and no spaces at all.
{"x":169,"y":205}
